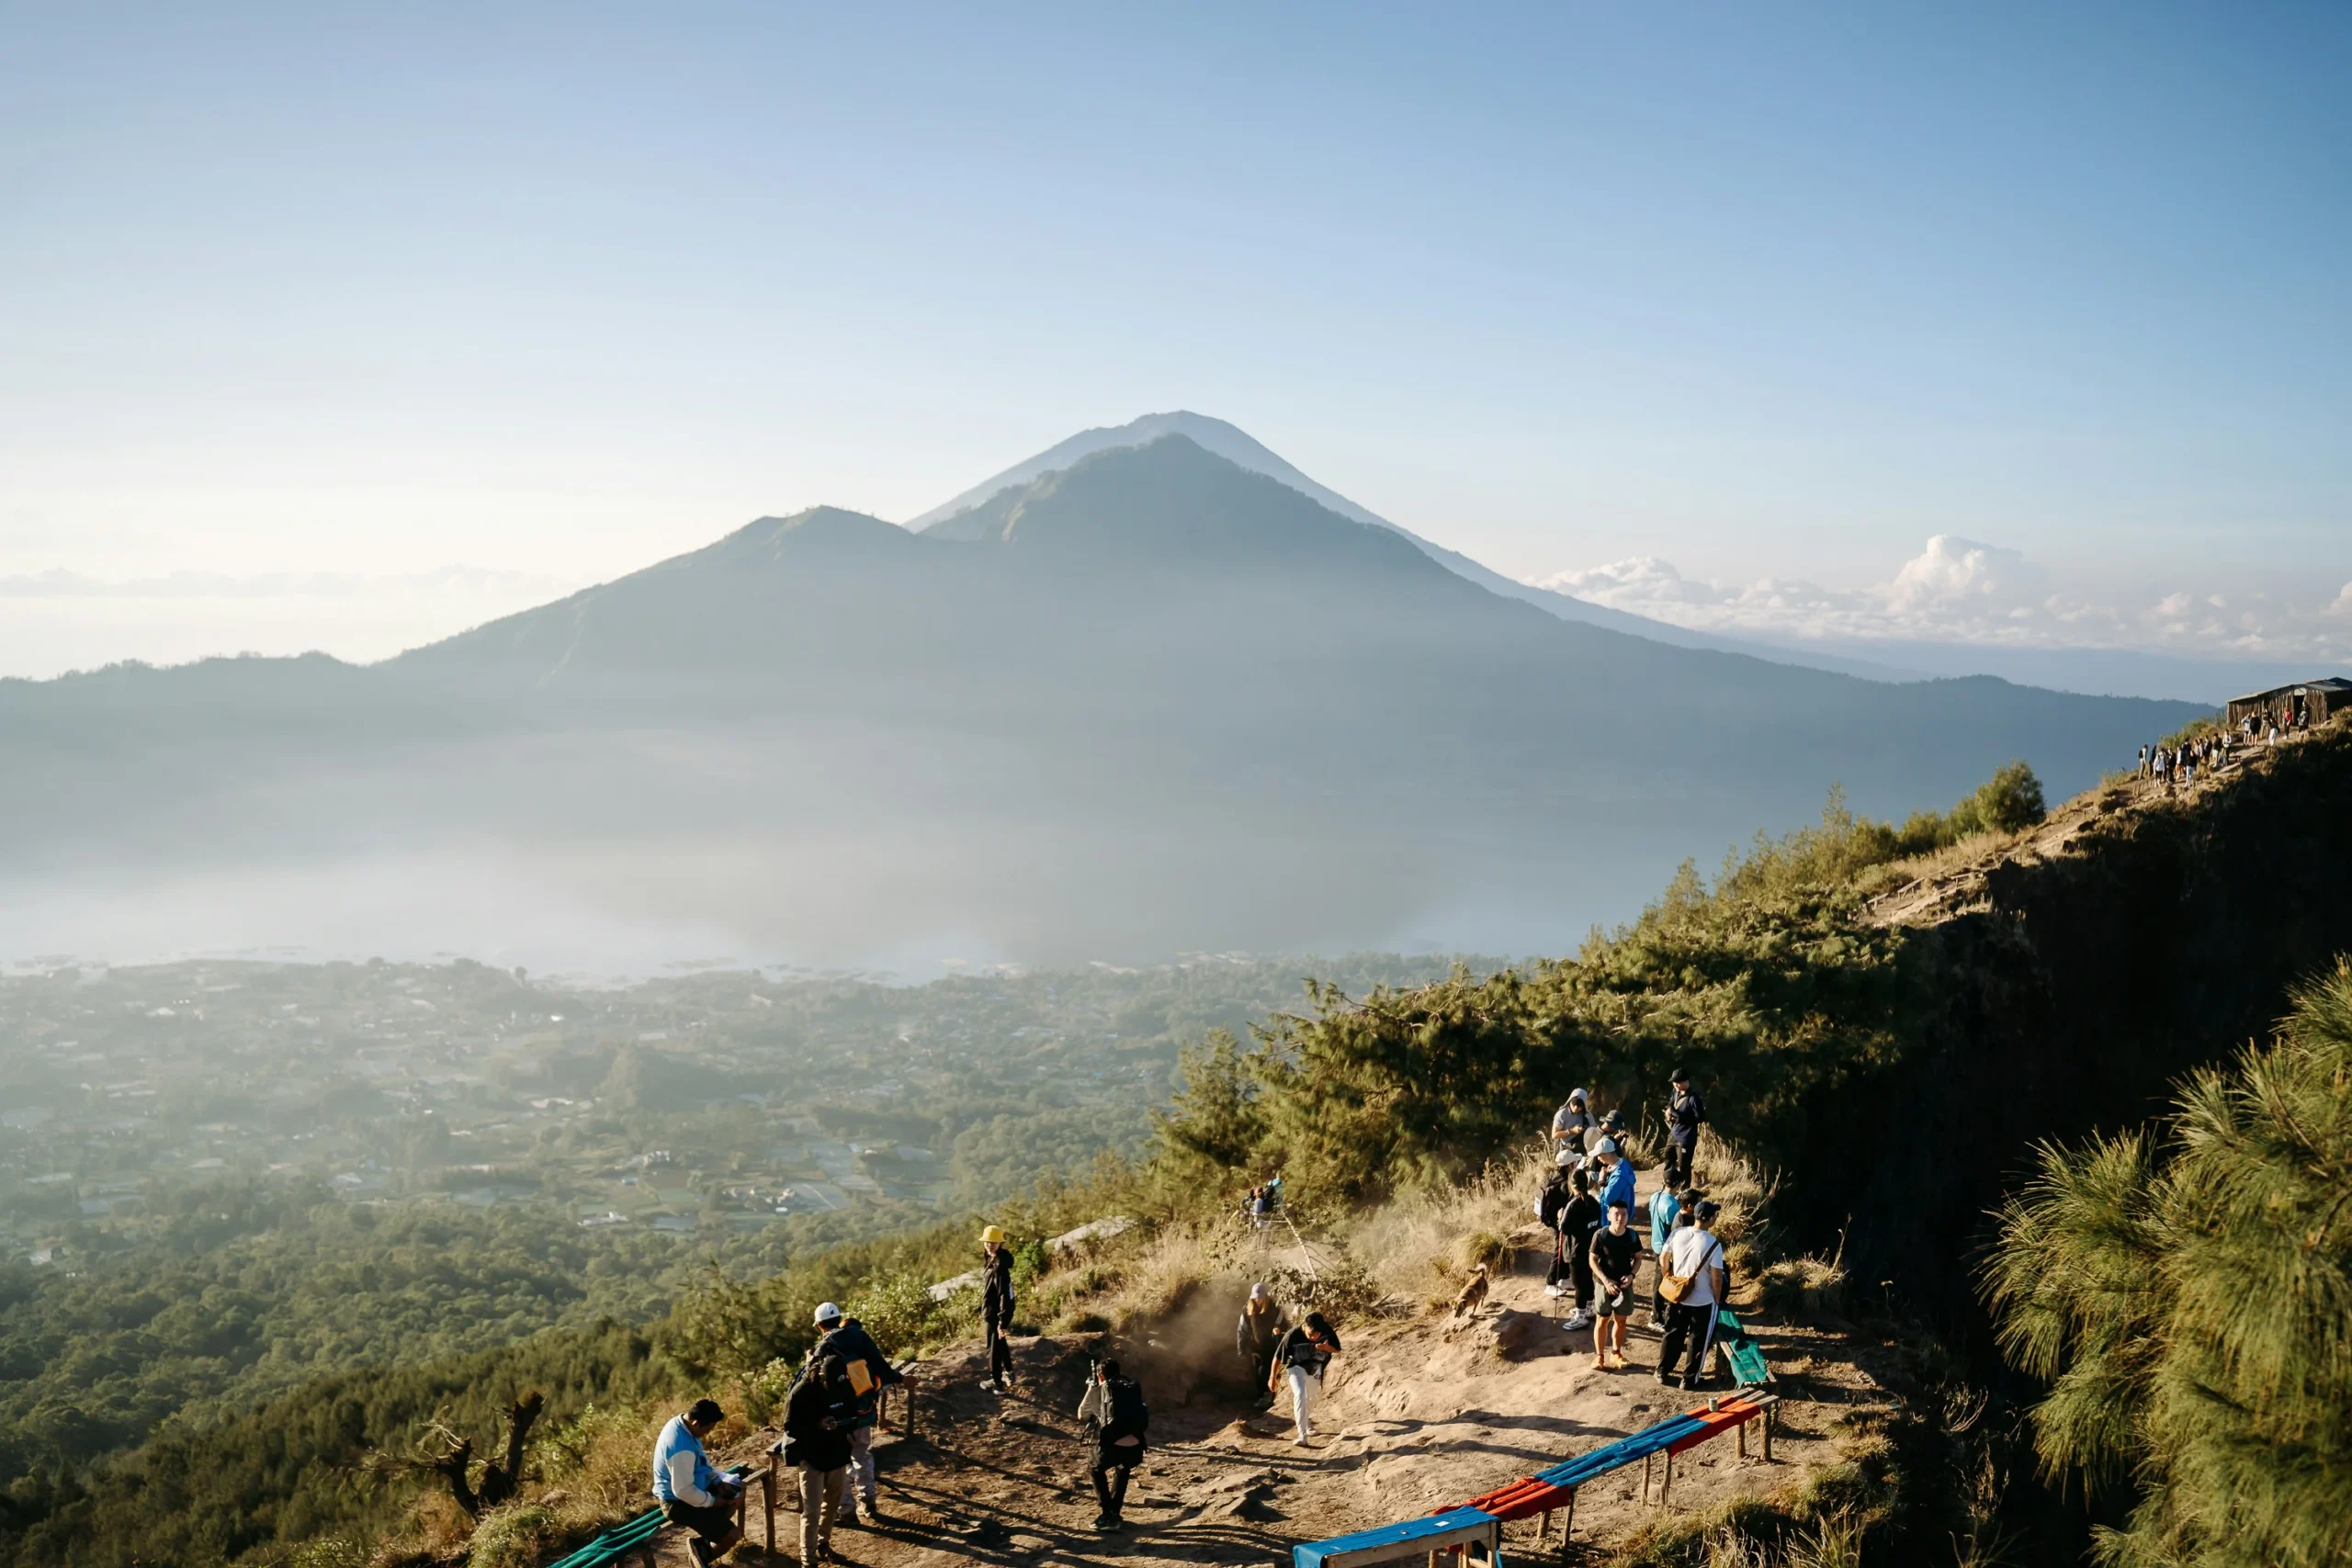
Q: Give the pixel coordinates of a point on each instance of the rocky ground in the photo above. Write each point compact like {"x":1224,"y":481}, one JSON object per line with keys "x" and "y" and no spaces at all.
{"x":1420,"y":1413}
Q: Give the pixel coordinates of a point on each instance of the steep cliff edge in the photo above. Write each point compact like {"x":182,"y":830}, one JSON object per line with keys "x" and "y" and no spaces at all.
{"x":2061,"y":982}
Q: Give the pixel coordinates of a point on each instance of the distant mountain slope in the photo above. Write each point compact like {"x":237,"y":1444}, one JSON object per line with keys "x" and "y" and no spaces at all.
{"x":1238,"y":447}
{"x":1150,"y":701}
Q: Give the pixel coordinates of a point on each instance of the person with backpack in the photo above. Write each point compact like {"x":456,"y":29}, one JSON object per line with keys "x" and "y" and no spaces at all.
{"x":1666,"y":1208}
{"x":819,"y":1416}
{"x":1684,"y":1112}
{"x":1616,"y":1256}
{"x":996,"y":1307}
{"x":1302,"y":1355}
{"x":1691,"y":1280}
{"x":869,"y":1372}
{"x":1256,"y":1335}
{"x":1579,"y":1219}
{"x":692,"y":1494}
{"x":1116,"y":1406}
{"x":1550,"y":1199}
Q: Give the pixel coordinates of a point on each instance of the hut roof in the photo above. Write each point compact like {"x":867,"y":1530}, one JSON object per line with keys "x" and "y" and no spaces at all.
{"x":2326,"y":683}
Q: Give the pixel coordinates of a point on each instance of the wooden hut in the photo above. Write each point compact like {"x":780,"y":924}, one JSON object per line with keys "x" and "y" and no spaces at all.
{"x":2291,"y":707}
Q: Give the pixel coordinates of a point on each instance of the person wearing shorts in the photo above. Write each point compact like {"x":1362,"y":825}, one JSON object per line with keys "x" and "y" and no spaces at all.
{"x":1616,"y":1255}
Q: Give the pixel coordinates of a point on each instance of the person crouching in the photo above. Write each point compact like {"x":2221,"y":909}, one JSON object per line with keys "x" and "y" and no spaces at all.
{"x":691,"y":1493}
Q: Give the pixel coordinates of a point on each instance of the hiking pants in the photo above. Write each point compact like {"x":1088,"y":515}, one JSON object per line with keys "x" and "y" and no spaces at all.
{"x":1678,"y":1164}
{"x":1580,"y":1276}
{"x":1000,"y":1351}
{"x":1261,"y":1373}
{"x":1302,"y":1382}
{"x":1110,"y":1473}
{"x":821,"y":1491}
{"x":1686,"y":1326}
{"x":860,"y":1464}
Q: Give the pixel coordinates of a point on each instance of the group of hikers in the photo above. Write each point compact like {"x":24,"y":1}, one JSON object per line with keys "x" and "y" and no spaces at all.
{"x":2177,"y":765}
{"x":833,"y":1407}
{"x":1597,"y":1251}
{"x":829,"y":1421}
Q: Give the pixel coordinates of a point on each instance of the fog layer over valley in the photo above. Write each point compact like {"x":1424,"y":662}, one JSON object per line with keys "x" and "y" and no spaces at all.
{"x":1150,"y":704}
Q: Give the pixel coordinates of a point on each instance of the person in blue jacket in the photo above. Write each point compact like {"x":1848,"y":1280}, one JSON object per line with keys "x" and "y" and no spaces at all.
{"x":1617,"y":1183}
{"x":690,"y":1492}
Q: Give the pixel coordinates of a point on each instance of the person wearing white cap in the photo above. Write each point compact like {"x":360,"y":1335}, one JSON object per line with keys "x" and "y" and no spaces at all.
{"x":1255,"y":1335}
{"x":869,"y":1372}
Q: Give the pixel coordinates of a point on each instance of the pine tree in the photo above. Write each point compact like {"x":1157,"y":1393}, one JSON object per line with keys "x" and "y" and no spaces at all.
{"x":2189,"y":1300}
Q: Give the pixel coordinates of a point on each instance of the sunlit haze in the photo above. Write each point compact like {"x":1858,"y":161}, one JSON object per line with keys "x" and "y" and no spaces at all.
{"x":1996,"y":326}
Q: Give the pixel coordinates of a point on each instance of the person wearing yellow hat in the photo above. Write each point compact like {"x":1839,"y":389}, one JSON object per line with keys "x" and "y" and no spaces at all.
{"x":996,"y":1307}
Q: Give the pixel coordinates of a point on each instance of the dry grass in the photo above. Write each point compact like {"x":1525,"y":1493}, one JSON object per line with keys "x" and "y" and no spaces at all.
{"x":1804,"y":1290}
{"x":1421,"y":1246}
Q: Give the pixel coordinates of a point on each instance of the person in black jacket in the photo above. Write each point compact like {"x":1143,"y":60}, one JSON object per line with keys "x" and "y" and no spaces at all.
{"x":996,"y":1306}
{"x":1301,"y":1355}
{"x":846,"y":1340}
{"x":1550,"y":1199}
{"x":1255,"y":1335}
{"x":819,"y":1417}
{"x":1684,"y":1111}
{"x":1116,"y":1406}
{"x":1579,"y":1219}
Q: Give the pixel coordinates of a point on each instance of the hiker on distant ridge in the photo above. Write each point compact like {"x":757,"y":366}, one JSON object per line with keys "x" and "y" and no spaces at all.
{"x":869,"y":1372}
{"x":1579,"y":1219}
{"x":690,"y":1492}
{"x":819,"y":1416}
{"x":996,"y":1307}
{"x":1684,"y":1112}
{"x":1116,"y":1406}
{"x":1259,"y":1330}
{"x":1616,"y":1258}
{"x":1691,"y":1276}
{"x":1301,"y":1355}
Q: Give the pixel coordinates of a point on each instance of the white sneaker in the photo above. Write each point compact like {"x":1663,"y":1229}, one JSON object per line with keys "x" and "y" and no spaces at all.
{"x":1579,"y":1319}
{"x":1553,"y":1292}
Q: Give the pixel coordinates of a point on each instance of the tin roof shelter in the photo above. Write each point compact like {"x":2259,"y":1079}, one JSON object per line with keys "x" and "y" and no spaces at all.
{"x":2306,"y":701}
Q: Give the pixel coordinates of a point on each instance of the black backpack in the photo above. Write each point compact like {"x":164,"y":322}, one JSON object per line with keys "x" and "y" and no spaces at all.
{"x":1129,"y":1415}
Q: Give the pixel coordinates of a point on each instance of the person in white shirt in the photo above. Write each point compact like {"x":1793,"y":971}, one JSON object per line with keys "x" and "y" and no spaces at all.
{"x":1694,"y":1254}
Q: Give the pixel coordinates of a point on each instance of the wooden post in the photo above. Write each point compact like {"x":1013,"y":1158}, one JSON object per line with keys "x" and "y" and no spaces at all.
{"x":767,"y":1497}
{"x":1569,"y":1524}
{"x":1666,"y":1483}
{"x":1769,"y":1411}
{"x":1646,"y":1460}
{"x":1740,"y":1432}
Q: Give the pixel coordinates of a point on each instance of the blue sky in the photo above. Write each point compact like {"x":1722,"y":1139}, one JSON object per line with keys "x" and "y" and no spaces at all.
{"x":1716,"y":312}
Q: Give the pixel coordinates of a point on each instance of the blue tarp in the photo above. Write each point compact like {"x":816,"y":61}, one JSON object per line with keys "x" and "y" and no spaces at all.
{"x":1409,"y":1539}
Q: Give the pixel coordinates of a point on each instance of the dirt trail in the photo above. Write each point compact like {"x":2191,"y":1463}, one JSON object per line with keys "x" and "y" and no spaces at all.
{"x":1419,"y":1413}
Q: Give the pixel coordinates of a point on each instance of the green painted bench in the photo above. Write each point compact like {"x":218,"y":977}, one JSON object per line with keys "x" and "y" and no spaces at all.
{"x":634,"y":1538}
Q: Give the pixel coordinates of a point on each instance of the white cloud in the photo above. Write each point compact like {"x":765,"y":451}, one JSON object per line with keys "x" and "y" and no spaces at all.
{"x":1961,"y":574}
{"x":1958,"y":589}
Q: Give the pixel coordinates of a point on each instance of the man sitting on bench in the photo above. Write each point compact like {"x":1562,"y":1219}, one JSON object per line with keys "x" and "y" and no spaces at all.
{"x":691,"y":1493}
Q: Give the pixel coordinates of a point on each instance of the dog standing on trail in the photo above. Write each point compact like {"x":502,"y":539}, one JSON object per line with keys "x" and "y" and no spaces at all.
{"x":1472,"y":1295}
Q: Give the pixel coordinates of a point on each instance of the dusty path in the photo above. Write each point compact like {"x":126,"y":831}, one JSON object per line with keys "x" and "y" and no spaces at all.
{"x":1421,"y":1412}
